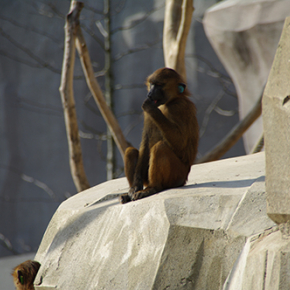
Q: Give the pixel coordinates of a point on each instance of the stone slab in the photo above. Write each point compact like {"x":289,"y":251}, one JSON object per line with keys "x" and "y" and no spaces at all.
{"x":276,"y":116}
{"x":188,"y":237}
{"x":245,"y":34}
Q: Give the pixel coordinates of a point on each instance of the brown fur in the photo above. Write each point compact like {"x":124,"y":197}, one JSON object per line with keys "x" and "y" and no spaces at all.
{"x":169,"y":141}
{"x":24,"y":275}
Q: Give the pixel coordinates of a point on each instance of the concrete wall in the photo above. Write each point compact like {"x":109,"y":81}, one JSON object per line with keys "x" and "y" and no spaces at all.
{"x":213,"y":233}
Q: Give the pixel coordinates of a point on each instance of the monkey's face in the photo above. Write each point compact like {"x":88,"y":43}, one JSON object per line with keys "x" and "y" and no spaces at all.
{"x":156,"y":94}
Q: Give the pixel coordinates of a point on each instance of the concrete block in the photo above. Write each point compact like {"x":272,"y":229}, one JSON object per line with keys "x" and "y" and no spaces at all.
{"x":266,"y":265}
{"x":244,"y":35}
{"x":184,"y":238}
{"x":276,"y":117}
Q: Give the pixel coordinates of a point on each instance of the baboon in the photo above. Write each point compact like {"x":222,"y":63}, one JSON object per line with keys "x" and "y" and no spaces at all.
{"x":169,"y":140}
{"x":24,"y":275}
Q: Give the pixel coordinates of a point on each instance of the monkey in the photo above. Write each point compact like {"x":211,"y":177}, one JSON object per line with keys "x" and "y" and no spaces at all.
{"x":24,"y":275}
{"x":169,"y":139}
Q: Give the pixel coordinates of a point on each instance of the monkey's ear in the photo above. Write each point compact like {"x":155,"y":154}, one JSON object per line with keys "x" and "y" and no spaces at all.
{"x":20,"y":277}
{"x":181,"y":88}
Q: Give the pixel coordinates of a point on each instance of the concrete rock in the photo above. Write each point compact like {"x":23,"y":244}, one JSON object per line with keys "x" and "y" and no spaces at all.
{"x":245,"y":34}
{"x":276,"y":116}
{"x":184,"y":238}
{"x":263,"y":264}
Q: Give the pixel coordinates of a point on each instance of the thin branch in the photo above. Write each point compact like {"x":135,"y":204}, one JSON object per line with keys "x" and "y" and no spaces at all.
{"x":138,"y":21}
{"x":136,"y":49}
{"x":40,"y":185}
{"x":20,"y":60}
{"x":91,"y":136}
{"x":97,"y":93}
{"x":102,"y":29}
{"x":38,"y":107}
{"x":132,"y":125}
{"x":66,"y":92}
{"x":119,"y":8}
{"x":30,"y":179}
{"x":30,"y":28}
{"x":56,"y":11}
{"x":259,"y":145}
{"x":212,"y":68}
{"x":93,"y":35}
{"x":208,"y":112}
{"x":129,"y":87}
{"x":223,"y":79}
{"x":7,"y":244}
{"x":94,"y":10}
{"x":28,"y":52}
{"x":234,"y":135}
{"x":225,"y":113}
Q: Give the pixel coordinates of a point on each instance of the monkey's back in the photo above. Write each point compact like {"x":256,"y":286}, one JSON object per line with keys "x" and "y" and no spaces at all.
{"x":184,"y":115}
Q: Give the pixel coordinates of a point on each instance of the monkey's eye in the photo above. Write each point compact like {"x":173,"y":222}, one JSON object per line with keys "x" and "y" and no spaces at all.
{"x":157,"y":85}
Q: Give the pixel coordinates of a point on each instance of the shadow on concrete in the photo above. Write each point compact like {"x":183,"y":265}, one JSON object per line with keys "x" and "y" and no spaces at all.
{"x":225,"y":184}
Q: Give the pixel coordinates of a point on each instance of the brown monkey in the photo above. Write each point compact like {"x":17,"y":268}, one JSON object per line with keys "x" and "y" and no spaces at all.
{"x":24,"y":275}
{"x":169,"y":140}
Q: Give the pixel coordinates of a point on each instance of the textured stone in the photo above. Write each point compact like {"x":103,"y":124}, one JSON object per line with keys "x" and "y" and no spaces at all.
{"x":276,"y":116}
{"x":245,"y":34}
{"x":263,"y":265}
{"x":183,"y":238}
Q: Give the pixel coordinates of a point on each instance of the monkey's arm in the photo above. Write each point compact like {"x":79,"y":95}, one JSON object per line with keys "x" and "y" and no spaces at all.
{"x":170,"y":130}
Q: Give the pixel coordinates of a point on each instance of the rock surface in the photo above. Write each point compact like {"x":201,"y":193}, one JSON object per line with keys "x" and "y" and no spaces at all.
{"x":245,"y":35}
{"x":199,"y":236}
{"x":276,"y":116}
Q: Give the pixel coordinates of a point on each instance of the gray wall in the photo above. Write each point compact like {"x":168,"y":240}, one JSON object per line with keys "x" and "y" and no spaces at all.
{"x":34,"y":168}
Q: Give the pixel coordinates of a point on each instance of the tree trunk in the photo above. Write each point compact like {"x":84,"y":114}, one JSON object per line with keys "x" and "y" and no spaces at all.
{"x":108,"y":89}
{"x":177,"y":21}
{"x":66,"y":92}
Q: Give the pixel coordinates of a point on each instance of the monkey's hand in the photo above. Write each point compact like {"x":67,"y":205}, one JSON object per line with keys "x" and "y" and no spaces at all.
{"x":134,"y":189}
{"x":149,"y":105}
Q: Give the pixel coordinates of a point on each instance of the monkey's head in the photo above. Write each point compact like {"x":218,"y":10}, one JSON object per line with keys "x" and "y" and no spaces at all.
{"x":24,"y":275}
{"x":165,"y":84}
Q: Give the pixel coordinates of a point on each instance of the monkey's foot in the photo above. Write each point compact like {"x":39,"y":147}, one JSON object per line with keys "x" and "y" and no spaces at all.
{"x":144,"y":193}
{"x":124,"y":198}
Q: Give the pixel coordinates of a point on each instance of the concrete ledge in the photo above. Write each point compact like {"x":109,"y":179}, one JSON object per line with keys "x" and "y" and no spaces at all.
{"x":185,"y":237}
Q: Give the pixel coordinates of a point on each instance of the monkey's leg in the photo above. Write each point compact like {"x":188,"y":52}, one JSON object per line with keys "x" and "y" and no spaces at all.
{"x":130,"y":161}
{"x":165,"y":171}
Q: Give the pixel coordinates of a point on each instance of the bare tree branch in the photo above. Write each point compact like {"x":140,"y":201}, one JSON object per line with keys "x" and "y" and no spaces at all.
{"x":93,"y":35}
{"x":30,"y":28}
{"x":259,"y":145}
{"x":137,"y":22}
{"x":7,"y":244}
{"x":97,"y":93}
{"x":177,"y":20}
{"x":136,"y":49}
{"x":225,"y":113}
{"x":223,"y":79}
{"x":28,"y":52}
{"x":31,"y":180}
{"x":208,"y":111}
{"x":234,"y":135}
{"x":66,"y":92}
